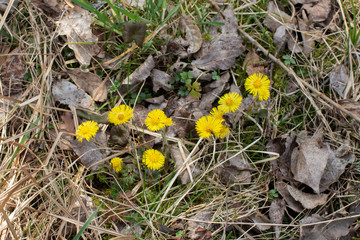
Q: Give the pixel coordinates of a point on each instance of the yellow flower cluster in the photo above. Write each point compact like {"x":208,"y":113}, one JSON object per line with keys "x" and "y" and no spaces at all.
{"x":157,"y":120}
{"x":258,"y":85}
{"x":116,"y":164}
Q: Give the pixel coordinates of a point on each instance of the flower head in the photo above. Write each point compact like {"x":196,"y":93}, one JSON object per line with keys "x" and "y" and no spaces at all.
{"x":153,"y":159}
{"x":207,"y":125}
{"x":120,"y":114}
{"x":116,"y":164}
{"x":157,"y":120}
{"x":217,"y":113}
{"x":87,"y":130}
{"x":224,"y":131}
{"x":230,"y":102}
{"x":258,"y":84}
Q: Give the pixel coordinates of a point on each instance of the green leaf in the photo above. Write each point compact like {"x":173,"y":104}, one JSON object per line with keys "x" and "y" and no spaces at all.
{"x":196,"y":86}
{"x":194,"y":94}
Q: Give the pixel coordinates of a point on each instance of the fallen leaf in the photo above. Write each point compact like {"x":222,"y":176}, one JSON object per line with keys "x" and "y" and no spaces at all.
{"x":224,"y":48}
{"x":4,"y":4}
{"x":309,"y":160}
{"x":142,"y":72}
{"x":179,"y":162}
{"x":204,"y":216}
{"x":281,"y":187}
{"x":90,"y":83}
{"x":134,"y":32}
{"x":281,"y":36}
{"x":48,"y":7}
{"x":90,"y":153}
{"x":339,"y":78}
{"x":350,"y":105}
{"x":213,"y":91}
{"x":76,"y":25}
{"x":177,"y":47}
{"x":335,"y":166}
{"x":308,"y":200}
{"x":160,"y":79}
{"x":192,"y":34}
{"x":201,"y":75}
{"x":318,"y":12}
{"x":276,"y":214}
{"x":304,"y":1}
{"x":68,"y":94}
{"x":12,"y":73}
{"x":308,"y":42}
{"x":334,"y":230}
{"x":120,"y":135}
{"x":178,"y":66}
{"x":260,"y":218}
{"x":276,"y":18}
{"x":234,"y":170}
{"x":251,"y":63}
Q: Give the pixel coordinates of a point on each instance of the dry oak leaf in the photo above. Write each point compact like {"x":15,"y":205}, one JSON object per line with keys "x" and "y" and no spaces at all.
{"x":90,"y":83}
{"x":142,"y":72}
{"x":309,"y":160}
{"x":250,"y":62}
{"x":76,"y":25}
{"x":318,"y":12}
{"x":160,"y":79}
{"x":193,"y":34}
{"x":224,"y":48}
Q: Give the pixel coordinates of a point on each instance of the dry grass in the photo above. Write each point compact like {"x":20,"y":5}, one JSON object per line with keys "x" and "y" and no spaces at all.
{"x":46,"y":193}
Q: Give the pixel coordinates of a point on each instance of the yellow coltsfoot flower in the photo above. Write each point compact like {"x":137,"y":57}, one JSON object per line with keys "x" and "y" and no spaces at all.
{"x":208,"y":125}
{"x":258,"y":85}
{"x":87,"y":130}
{"x":157,"y":120}
{"x":230,"y":102}
{"x":120,"y":114}
{"x":224,"y":131}
{"x":217,"y":113}
{"x":116,"y":164}
{"x":153,"y":159}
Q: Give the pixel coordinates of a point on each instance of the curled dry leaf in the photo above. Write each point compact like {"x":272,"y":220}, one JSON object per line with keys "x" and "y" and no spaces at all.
{"x":276,"y":213}
{"x":339,"y":78}
{"x":318,"y":12}
{"x":193,"y":227}
{"x":160,"y":79}
{"x":179,"y":159}
{"x":193,"y":34}
{"x":308,"y":200}
{"x":90,"y":153}
{"x":224,"y":48}
{"x":260,"y":218}
{"x":309,"y":160}
{"x":142,"y":72}
{"x":90,"y":83}
{"x":76,"y":25}
{"x":251,"y":63}
{"x":68,"y":94}
{"x":276,"y":18}
{"x":281,"y":187}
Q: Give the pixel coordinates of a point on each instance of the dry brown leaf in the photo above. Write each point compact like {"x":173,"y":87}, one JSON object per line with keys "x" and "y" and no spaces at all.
{"x":339,"y":78}
{"x":233,"y":171}
{"x":48,"y":7}
{"x":90,"y":83}
{"x":334,"y":230}
{"x":194,"y":226}
{"x":213,"y":91}
{"x":76,"y":25}
{"x":66,"y":126}
{"x":251,"y":63}
{"x":336,"y":165}
{"x":308,"y":200}
{"x":318,"y":12}
{"x":142,"y":72}
{"x":68,"y":94}
{"x":281,"y":187}
{"x":276,"y":214}
{"x":308,"y":41}
{"x":309,"y":160}
{"x":193,"y":34}
{"x":177,"y":47}
{"x":90,"y":153}
{"x":120,"y":135}
{"x":281,"y":36}
{"x":223,"y":48}
{"x":160,"y":79}
{"x":304,"y":1}
{"x":261,"y":218}
{"x":12,"y":73}
{"x":276,"y":18}
{"x":179,"y":162}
